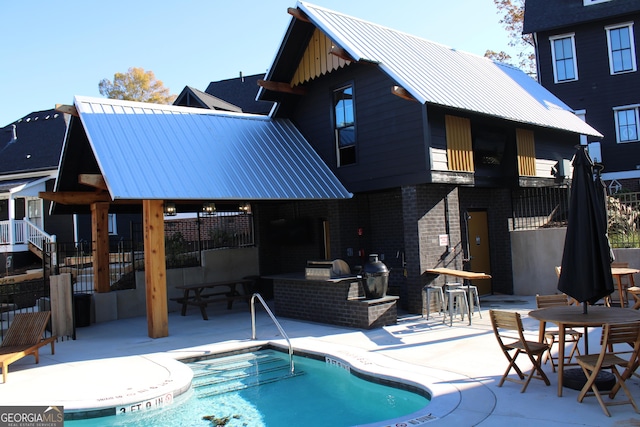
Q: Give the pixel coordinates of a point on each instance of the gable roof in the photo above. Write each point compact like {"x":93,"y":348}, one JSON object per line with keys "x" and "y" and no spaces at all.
{"x":192,"y":97}
{"x":39,"y":136}
{"x":430,"y":72}
{"x":241,"y":91}
{"x":152,"y":151}
{"x":542,"y":15}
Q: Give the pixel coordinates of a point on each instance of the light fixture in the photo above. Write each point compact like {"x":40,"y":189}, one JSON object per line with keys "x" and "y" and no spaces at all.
{"x":245,"y":207}
{"x":208,"y":208}
{"x":170,"y":209}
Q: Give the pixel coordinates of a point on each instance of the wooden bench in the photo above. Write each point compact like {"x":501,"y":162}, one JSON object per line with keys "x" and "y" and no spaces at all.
{"x":202,"y":294}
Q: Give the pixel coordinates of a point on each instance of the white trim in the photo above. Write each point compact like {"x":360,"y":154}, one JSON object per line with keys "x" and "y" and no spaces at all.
{"x":635,"y":109}
{"x":590,"y":2}
{"x":631,"y":174}
{"x":552,"y":40}
{"x":632,"y":44}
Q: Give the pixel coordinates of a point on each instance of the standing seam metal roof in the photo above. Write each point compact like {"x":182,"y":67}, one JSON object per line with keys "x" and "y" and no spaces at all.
{"x":439,"y":75}
{"x":152,"y":151}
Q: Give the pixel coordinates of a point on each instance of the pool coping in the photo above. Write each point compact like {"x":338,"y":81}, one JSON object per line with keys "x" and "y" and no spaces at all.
{"x":454,"y":398}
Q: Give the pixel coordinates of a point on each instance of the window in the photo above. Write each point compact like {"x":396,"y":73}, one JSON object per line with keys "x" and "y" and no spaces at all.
{"x":112,"y":224}
{"x":564,"y":59}
{"x":345,"y":131}
{"x":622,"y":56}
{"x":589,"y":2}
{"x":626,"y":123}
{"x":34,"y":211}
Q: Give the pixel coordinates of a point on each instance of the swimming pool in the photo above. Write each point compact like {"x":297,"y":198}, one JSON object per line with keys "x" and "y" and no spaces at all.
{"x":256,"y":389}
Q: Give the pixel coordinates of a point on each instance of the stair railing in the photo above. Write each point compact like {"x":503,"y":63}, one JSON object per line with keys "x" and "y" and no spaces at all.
{"x":275,"y":321}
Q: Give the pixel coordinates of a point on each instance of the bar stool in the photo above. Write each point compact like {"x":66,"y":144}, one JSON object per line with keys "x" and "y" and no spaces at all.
{"x":473,"y":293}
{"x":456,"y":301}
{"x":438,"y":295}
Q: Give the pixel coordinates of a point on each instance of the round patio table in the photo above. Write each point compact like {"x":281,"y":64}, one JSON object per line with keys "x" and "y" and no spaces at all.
{"x":572,"y":316}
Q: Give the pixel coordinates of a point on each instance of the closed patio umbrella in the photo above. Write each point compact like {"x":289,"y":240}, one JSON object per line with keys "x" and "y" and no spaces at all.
{"x":586,"y":259}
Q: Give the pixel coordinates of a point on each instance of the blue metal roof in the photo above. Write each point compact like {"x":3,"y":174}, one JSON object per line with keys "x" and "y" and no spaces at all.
{"x":437,"y":74}
{"x":152,"y":151}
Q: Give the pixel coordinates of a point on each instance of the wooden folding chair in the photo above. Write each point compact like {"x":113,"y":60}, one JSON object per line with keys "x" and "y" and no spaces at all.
{"x":508,"y":329}
{"x":550,"y":335}
{"x":609,"y":359}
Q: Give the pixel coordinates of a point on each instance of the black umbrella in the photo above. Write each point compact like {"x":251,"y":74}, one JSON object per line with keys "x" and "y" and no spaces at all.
{"x":586,"y":260}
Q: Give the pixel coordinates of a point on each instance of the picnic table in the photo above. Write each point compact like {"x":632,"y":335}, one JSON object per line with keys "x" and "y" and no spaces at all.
{"x":202,"y":294}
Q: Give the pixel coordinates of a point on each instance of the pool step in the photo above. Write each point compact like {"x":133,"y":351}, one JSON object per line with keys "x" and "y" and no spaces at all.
{"x":218,"y":376}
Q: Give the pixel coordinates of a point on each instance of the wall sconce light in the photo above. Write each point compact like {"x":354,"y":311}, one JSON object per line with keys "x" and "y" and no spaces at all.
{"x":208,"y":208}
{"x":245,"y":208}
{"x":170,"y":209}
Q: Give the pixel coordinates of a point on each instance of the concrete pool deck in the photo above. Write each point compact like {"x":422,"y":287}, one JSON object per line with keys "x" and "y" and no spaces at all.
{"x":115,"y":364}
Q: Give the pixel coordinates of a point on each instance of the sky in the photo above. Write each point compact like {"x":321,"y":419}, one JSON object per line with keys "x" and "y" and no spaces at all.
{"x":52,"y":51}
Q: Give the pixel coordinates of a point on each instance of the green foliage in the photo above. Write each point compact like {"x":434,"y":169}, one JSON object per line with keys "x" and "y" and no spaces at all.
{"x":136,"y":85}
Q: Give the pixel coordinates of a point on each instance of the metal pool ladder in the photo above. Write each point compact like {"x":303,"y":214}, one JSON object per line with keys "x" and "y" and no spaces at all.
{"x":275,"y":321}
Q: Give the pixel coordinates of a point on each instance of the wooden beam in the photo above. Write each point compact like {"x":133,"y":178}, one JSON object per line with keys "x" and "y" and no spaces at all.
{"x":298,"y":14}
{"x":67,"y":109}
{"x":155,"y":270}
{"x":341,"y":53}
{"x":93,"y":180}
{"x":83,"y":198}
{"x":100,"y":250}
{"x":282,"y":87}
{"x":402,"y":93}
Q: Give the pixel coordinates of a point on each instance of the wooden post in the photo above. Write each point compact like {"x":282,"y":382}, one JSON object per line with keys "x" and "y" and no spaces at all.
{"x":100,"y":233}
{"x":155,"y":270}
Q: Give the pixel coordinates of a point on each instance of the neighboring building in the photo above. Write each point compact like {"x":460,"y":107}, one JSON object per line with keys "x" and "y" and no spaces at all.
{"x":30,"y":150}
{"x":435,"y":144}
{"x":587,"y":55}
{"x":241,"y":91}
{"x":192,"y":97}
{"x":29,"y":155}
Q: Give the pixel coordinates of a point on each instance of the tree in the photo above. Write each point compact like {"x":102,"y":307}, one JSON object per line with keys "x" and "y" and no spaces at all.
{"x":136,"y":85}
{"x":513,"y":20}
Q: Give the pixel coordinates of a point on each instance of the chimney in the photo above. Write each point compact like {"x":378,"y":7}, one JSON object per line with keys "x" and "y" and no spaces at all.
{"x":241,"y":77}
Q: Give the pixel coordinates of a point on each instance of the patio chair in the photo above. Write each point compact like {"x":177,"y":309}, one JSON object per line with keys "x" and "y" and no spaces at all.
{"x":609,"y":359}
{"x":23,"y":338}
{"x":635,"y":293}
{"x":550,"y":335}
{"x":508,"y":329}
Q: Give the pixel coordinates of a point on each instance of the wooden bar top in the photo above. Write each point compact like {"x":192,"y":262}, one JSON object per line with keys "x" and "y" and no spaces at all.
{"x":459,"y":273}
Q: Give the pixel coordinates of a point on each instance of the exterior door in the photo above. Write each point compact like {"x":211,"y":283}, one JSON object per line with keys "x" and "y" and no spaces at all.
{"x":478,"y":244}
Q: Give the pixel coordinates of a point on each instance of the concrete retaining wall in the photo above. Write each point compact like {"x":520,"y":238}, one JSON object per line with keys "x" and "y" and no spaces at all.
{"x":535,"y":253}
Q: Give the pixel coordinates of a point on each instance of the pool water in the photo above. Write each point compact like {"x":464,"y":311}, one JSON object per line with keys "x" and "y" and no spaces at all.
{"x":320,"y":393}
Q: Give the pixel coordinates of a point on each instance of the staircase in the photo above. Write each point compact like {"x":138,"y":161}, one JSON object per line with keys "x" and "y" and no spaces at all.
{"x":213,"y":377}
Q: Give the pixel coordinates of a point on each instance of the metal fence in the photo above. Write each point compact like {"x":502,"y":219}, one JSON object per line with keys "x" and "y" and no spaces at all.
{"x":548,"y":207}
{"x":539,"y":207}
{"x":623,"y":217}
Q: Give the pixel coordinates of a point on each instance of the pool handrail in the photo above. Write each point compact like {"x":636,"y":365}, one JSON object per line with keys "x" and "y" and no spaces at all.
{"x":275,"y":321}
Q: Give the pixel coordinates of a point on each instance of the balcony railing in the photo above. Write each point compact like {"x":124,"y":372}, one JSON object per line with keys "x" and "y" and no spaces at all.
{"x":15,"y":232}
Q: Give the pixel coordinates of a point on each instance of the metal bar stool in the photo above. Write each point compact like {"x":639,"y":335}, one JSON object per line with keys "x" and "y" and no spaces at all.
{"x":456,"y":301}
{"x":473,"y":293}
{"x":435,"y":292}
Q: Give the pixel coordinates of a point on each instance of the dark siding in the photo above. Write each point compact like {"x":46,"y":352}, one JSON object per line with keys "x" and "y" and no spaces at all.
{"x":596,"y":91}
{"x":390,"y":143}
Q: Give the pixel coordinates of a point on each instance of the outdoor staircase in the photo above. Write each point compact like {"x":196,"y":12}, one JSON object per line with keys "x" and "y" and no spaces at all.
{"x":213,"y":377}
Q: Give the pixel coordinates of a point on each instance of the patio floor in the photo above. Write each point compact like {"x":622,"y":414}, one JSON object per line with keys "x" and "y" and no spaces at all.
{"x":115,"y":363}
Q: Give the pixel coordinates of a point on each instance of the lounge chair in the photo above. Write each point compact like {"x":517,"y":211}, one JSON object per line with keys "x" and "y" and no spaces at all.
{"x":23,"y":338}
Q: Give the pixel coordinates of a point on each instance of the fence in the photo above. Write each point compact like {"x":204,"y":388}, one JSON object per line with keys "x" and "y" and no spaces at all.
{"x":623,"y":216}
{"x":548,"y":207}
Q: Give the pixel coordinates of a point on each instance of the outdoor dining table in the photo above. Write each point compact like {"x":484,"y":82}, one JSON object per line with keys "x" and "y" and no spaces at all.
{"x":618,"y":273}
{"x":572,"y":316}
{"x":467,"y":276}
